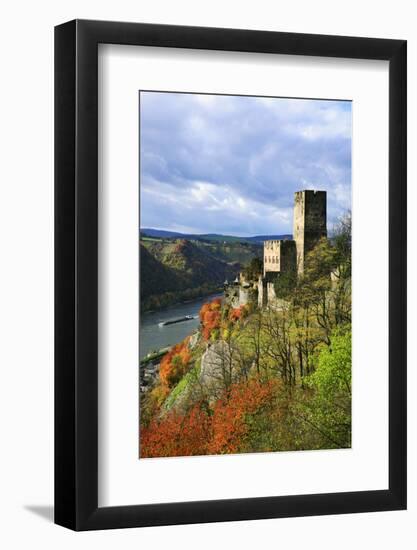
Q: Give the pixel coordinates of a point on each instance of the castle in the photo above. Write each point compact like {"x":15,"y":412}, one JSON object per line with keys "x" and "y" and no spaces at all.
{"x":284,"y":256}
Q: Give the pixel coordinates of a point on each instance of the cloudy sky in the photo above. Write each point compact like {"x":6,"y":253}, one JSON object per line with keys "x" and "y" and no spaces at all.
{"x":231,"y":164}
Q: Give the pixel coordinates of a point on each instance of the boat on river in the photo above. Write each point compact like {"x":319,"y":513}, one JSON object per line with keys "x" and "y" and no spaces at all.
{"x":174,"y":321}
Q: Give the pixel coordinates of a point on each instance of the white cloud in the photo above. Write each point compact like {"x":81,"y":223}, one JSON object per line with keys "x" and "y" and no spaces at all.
{"x":231,"y":164}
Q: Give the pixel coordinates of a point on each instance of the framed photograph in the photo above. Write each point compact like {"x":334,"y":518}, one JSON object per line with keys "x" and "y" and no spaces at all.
{"x":230,"y":253}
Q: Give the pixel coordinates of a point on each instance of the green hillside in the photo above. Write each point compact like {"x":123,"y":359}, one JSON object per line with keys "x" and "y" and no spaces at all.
{"x":229,"y":251}
{"x":173,"y":270}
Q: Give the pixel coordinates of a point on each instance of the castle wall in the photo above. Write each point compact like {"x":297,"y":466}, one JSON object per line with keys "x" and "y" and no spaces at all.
{"x":244,"y":296}
{"x":279,"y":256}
{"x":262,"y":293}
{"x":237,"y":295}
{"x":270,"y":293}
{"x":271,"y":256}
{"x":266,"y":290}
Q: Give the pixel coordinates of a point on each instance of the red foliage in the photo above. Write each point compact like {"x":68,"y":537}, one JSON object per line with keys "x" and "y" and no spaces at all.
{"x":174,"y":364}
{"x":176,"y":435}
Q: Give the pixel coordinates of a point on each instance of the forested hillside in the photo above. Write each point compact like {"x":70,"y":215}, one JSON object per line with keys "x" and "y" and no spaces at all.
{"x":259,"y":380}
{"x":172,"y":270}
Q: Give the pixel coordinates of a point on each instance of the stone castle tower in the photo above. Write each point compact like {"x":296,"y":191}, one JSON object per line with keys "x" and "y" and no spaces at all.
{"x":310,"y":222}
{"x":281,"y":256}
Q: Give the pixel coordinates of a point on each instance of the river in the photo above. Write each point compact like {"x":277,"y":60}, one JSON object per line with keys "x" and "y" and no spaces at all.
{"x":153,"y":337}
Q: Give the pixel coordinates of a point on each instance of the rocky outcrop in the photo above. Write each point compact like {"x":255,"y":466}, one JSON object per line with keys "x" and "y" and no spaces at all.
{"x":220,"y":367}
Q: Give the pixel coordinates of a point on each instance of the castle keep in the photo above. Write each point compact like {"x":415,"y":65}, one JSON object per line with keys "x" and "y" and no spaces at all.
{"x":310,"y":222}
{"x":283,"y":256}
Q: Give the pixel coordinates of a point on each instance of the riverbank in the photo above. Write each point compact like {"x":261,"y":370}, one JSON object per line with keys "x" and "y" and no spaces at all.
{"x":154,"y":357}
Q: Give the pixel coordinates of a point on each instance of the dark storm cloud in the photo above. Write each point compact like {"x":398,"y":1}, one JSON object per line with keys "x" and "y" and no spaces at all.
{"x":229,"y":164}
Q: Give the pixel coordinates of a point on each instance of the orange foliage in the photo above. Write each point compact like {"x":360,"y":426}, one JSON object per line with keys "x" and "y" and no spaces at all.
{"x":210,"y":317}
{"x":174,"y":364}
{"x":237,"y":313}
{"x":229,"y":425}
{"x":198,"y":433}
{"x":216,"y":303}
{"x":176,"y":435}
{"x":204,"y":309}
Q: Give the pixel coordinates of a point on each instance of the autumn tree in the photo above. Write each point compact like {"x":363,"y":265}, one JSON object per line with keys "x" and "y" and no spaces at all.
{"x":174,"y":364}
{"x":210,"y":318}
{"x":176,"y":434}
{"x":230,"y":421}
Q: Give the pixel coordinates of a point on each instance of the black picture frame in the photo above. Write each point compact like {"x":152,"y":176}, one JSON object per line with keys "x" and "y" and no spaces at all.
{"x":76,"y":272}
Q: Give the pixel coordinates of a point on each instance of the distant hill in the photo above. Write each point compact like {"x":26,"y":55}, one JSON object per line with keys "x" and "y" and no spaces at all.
{"x":162,"y":234}
{"x":146,"y":231}
{"x":178,"y":269}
